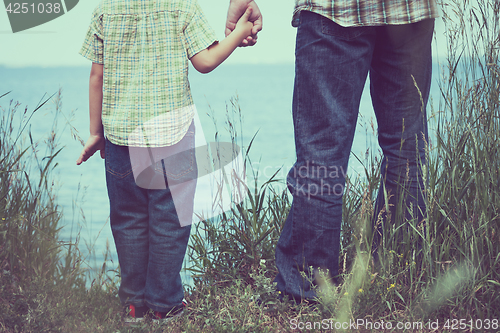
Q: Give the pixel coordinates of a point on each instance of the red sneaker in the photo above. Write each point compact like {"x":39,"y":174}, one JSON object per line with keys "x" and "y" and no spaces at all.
{"x":134,"y":314}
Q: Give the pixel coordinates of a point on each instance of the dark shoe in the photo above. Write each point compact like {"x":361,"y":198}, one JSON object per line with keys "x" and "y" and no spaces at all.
{"x":280,"y":297}
{"x":163,"y":317}
{"x":298,"y":300}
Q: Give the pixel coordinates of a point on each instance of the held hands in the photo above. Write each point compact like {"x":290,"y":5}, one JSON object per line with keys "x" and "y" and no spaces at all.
{"x":94,"y":143}
{"x":236,"y":9}
{"x":207,"y":60}
{"x":244,"y":24}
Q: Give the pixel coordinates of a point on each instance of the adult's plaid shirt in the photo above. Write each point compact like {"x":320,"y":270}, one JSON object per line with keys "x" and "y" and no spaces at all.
{"x":349,"y":13}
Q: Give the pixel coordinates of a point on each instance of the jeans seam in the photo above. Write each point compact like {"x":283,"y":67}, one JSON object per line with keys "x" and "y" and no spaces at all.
{"x":191,"y":163}
{"x":343,"y":33}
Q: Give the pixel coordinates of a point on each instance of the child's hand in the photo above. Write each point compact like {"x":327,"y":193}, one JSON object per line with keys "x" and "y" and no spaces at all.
{"x":244,"y":24}
{"x":94,"y":143}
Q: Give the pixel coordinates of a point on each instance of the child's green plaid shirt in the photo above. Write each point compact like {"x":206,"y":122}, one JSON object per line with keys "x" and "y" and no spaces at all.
{"x":349,"y":13}
{"x":145,"y":46}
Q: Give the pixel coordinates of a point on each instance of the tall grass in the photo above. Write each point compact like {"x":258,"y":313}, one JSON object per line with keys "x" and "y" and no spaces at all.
{"x":465,"y":171}
{"x":239,"y":240}
{"x":42,"y":279}
{"x":30,"y":215}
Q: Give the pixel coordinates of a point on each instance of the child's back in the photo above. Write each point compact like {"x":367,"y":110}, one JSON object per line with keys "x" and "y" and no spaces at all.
{"x":140,"y":100}
{"x":145,"y":48}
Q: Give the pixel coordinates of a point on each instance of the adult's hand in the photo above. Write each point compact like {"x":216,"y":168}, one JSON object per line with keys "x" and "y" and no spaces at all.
{"x":236,"y":9}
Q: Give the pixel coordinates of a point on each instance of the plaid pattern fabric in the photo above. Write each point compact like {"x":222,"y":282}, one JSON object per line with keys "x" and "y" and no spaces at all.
{"x":145,"y":46}
{"x":350,"y":13}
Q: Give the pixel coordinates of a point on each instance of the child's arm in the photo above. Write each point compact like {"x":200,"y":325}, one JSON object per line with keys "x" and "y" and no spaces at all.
{"x":96,"y":139}
{"x":208,"y":59}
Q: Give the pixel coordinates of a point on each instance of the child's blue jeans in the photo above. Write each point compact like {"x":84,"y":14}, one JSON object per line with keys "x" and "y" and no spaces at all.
{"x":150,"y":242}
{"x":331,"y":67}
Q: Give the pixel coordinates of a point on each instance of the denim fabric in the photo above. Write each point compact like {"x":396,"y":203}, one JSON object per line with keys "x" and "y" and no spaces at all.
{"x":149,"y":239}
{"x":332,"y":64}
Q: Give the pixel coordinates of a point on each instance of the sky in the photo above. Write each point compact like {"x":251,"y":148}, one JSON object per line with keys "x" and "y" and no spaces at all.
{"x":56,"y":43}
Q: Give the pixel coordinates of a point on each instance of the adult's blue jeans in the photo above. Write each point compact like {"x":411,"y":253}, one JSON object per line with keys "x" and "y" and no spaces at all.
{"x":331,"y":67}
{"x":150,"y":242}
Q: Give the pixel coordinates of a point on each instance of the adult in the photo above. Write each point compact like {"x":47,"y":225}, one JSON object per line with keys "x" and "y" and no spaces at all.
{"x":338,"y":44}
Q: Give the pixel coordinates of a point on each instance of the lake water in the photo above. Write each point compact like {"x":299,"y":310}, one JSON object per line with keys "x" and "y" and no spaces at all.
{"x":264,"y":93}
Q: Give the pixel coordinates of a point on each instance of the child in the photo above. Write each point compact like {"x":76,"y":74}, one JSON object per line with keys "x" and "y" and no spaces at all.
{"x":139,"y":51}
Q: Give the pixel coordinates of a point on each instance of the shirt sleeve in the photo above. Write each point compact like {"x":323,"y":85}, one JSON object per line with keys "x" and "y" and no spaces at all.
{"x":93,"y":45}
{"x":198,"y":33}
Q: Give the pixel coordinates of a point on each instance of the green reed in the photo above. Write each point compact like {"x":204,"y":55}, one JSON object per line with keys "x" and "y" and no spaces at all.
{"x":28,"y":209}
{"x":42,"y":278}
